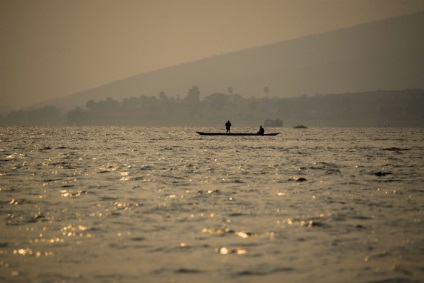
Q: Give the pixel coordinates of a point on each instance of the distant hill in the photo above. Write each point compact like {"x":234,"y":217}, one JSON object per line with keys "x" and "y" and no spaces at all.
{"x":387,"y":54}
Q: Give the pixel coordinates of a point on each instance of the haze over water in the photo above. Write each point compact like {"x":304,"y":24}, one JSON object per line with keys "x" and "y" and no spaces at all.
{"x":133,"y":204}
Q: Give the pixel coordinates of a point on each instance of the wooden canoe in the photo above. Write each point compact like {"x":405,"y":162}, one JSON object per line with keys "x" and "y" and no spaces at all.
{"x":235,"y":134}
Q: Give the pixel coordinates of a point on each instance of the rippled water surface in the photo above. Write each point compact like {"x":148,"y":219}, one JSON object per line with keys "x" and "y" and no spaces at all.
{"x":116,"y":204}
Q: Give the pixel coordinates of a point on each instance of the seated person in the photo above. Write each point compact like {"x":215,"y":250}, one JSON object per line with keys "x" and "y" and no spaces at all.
{"x":261,"y":131}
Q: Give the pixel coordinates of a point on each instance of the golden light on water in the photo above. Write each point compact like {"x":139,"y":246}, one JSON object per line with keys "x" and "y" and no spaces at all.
{"x":217,"y":231}
{"x":75,"y":231}
{"x":241,"y":251}
{"x":223,"y":251}
{"x":30,"y":252}
{"x":73,"y":228}
{"x":220,"y":231}
{"x":226,"y":251}
{"x":23,"y":251}
{"x":245,"y":235}
{"x":65,"y":193}
{"x":124,"y":205}
{"x":15,"y":201}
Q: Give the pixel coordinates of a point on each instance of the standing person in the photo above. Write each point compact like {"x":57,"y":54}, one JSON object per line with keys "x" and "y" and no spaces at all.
{"x":228,"y":126}
{"x":261,"y":130}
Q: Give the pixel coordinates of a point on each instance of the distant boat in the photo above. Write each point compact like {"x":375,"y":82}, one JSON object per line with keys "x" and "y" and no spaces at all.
{"x":300,"y":127}
{"x":235,"y":134}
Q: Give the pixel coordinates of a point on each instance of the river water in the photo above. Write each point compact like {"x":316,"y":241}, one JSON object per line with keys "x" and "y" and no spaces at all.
{"x":135,"y":204}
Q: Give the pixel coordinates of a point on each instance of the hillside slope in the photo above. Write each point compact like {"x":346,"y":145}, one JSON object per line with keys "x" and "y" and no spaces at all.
{"x":386,"y":54}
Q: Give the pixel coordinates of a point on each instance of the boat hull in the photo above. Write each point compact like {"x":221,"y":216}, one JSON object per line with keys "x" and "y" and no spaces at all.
{"x":235,"y":134}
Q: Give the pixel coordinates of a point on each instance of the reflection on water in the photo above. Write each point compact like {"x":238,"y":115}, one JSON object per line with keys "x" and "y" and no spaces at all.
{"x":116,"y":204}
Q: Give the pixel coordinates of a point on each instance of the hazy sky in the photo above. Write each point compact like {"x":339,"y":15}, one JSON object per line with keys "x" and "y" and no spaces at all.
{"x":52,"y":48}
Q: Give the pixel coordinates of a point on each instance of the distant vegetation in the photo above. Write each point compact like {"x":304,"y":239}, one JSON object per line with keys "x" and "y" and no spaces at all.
{"x":379,"y":108}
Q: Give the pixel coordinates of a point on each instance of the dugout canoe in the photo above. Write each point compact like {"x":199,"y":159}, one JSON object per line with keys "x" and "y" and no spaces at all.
{"x":235,"y":134}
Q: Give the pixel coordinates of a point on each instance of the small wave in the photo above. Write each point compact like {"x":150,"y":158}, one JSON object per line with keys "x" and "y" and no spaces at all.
{"x":265,"y":272}
{"x":395,"y":149}
{"x":381,"y":173}
{"x":396,"y":280}
{"x":188,"y":270}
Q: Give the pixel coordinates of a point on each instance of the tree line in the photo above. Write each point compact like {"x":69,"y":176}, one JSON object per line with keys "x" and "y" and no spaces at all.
{"x":378,"y":108}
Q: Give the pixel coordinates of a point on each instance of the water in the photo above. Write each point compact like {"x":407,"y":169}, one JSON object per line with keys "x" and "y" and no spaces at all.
{"x":116,"y":204}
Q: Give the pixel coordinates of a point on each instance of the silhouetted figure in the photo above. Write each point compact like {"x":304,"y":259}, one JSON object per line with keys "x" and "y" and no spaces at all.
{"x":261,"y":130}
{"x":228,"y":126}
